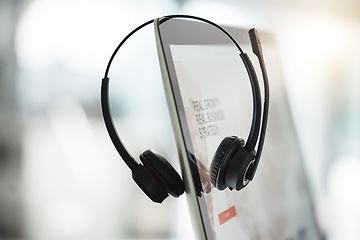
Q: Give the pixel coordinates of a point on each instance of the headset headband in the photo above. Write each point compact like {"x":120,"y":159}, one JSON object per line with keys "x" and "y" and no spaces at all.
{"x":255,"y":125}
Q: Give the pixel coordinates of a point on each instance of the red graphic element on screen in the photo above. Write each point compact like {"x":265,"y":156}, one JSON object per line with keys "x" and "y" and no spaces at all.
{"x":227,"y":215}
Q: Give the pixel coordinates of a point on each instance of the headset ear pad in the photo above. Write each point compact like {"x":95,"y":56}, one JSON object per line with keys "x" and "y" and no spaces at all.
{"x":222,"y":157}
{"x":162,"y":171}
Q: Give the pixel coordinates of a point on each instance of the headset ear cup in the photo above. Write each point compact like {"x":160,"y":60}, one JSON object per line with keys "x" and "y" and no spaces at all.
{"x":163,"y":172}
{"x":223,"y":154}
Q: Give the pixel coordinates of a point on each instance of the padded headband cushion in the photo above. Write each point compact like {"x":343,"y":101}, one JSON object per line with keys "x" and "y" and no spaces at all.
{"x":163,"y":172}
{"x":221,"y":159}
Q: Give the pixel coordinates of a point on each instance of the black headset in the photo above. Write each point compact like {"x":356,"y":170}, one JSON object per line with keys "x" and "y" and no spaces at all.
{"x":235,"y":161}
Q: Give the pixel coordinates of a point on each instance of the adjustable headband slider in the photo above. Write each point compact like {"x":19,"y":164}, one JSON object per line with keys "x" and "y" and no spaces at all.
{"x":255,"y":42}
{"x":105,"y":81}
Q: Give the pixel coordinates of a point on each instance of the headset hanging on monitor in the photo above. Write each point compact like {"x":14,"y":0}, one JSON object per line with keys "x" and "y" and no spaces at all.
{"x":235,"y":161}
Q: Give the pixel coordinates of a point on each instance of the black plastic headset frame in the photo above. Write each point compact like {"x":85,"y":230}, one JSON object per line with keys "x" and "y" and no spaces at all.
{"x":256,"y":120}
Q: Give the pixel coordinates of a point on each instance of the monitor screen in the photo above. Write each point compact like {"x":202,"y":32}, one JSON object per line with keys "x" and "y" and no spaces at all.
{"x":211,"y":99}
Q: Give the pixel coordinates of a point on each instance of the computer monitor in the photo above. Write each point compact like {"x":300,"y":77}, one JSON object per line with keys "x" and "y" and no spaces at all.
{"x":209,"y":97}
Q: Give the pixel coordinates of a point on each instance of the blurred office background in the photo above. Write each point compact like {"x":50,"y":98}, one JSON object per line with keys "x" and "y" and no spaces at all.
{"x":60,"y":177}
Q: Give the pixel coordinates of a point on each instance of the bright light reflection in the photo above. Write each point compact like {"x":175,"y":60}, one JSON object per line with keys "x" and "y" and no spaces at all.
{"x":78,"y":33}
{"x":220,"y":13}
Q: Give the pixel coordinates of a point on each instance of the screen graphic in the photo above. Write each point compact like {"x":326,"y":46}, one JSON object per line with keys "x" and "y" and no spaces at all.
{"x":215,"y":93}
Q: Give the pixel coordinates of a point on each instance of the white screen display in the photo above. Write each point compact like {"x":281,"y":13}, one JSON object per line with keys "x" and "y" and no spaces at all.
{"x":216,"y":96}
